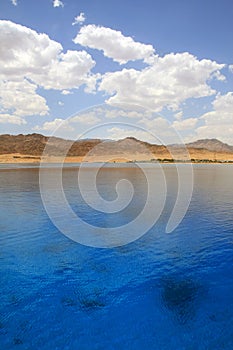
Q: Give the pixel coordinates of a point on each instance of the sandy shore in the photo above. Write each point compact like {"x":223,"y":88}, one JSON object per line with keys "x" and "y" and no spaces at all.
{"x":196,"y":157}
{"x":19,"y":158}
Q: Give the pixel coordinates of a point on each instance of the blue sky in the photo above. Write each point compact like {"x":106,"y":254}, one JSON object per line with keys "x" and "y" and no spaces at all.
{"x":173,"y":60}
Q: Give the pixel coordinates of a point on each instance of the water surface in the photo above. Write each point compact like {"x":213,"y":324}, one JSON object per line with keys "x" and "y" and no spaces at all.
{"x":164,"y":291}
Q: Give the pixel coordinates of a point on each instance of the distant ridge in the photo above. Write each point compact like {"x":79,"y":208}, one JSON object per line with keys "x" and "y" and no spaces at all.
{"x":22,"y":146}
{"x":34,"y":144}
{"x":212,"y":145}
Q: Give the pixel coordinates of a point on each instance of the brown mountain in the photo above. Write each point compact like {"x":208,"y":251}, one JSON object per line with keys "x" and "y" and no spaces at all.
{"x":32,"y":146}
{"x":212,"y":145}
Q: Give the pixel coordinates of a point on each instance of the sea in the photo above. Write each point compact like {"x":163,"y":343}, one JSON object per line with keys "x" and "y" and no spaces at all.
{"x":163,"y":291}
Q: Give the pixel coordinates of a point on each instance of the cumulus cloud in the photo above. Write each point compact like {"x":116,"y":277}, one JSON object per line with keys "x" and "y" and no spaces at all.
{"x":91,"y":117}
{"x":166,"y":132}
{"x":58,"y":3}
{"x":105,"y":113}
{"x":178,"y":115}
{"x":219,"y":122}
{"x":69,"y":125}
{"x":70,"y":70}
{"x":86,"y":118}
{"x":113,"y":44}
{"x":117,"y":133}
{"x":80,"y":19}
{"x":167,"y":83}
{"x":21,"y":98}
{"x":11,"y":119}
{"x":66,"y":92}
{"x":186,"y":124}
{"x":14,"y":2}
{"x":157,"y":131}
{"x":120,"y":113}
{"x":53,"y":125}
{"x":28,"y":60}
{"x":25,"y":53}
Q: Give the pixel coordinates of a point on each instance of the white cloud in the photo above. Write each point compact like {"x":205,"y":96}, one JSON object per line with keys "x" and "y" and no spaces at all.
{"x":117,"y":133}
{"x":91,"y":83}
{"x":113,"y":44}
{"x":105,"y":112}
{"x":186,"y":124}
{"x":66,"y":92}
{"x":20,"y":98}
{"x":120,"y":113}
{"x":86,"y":118}
{"x":11,"y":119}
{"x":70,"y":70}
{"x":178,"y":115}
{"x":80,"y":19}
{"x":53,"y":125}
{"x":231,"y":68}
{"x":222,"y":110}
{"x":219,"y":122}
{"x":109,"y":112}
{"x":153,"y":124}
{"x":224,"y":103}
{"x":28,"y":60}
{"x":167,"y":133}
{"x":159,"y":132}
{"x":58,"y":3}
{"x":14,"y":2}
{"x":25,"y":53}
{"x":167,"y":83}
{"x":221,"y":132}
{"x":218,"y":76}
{"x":66,"y":127}
{"x":60,"y":103}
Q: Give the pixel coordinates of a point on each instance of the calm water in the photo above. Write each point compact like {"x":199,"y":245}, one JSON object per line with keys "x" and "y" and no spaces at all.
{"x":164,"y":291}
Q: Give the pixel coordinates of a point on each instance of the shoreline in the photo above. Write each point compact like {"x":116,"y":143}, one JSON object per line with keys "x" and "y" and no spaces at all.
{"x":37,"y":160}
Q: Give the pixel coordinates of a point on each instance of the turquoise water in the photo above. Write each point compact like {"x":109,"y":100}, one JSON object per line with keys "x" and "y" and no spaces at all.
{"x":163,"y":291}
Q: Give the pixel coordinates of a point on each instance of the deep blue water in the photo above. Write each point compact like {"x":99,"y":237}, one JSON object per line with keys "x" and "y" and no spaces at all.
{"x":163,"y":291}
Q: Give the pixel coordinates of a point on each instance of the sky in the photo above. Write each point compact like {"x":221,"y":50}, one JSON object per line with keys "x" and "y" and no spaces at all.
{"x":111,"y":69}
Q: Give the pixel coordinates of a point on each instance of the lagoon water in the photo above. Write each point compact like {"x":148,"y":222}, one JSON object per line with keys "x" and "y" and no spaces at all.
{"x":163,"y":291}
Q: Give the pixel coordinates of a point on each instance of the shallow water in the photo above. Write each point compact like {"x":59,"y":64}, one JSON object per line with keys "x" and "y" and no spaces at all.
{"x":163,"y":291}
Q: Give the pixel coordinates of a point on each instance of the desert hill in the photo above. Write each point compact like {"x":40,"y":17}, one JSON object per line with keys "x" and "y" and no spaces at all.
{"x":34,"y":144}
{"x":15,"y":148}
{"x":212,"y":145}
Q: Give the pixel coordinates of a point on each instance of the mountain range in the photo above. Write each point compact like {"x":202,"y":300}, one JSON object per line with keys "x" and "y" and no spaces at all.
{"x":33,"y":145}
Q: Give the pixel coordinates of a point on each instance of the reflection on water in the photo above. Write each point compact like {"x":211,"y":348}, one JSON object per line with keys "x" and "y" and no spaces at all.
{"x":164,"y":291}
